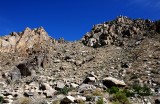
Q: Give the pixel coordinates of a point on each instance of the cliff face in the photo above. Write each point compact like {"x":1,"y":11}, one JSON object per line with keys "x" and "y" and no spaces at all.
{"x":121,"y":54}
{"x":25,"y":42}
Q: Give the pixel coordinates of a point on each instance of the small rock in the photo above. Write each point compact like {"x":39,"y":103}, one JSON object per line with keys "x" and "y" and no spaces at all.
{"x":28,"y":94}
{"x":60,"y":85}
{"x":57,"y":61}
{"x":157,"y":101}
{"x":46,"y":86}
{"x":85,"y":87}
{"x":78,"y":62}
{"x":68,"y":99}
{"x":80,"y":98}
{"x":60,"y":96}
{"x":49,"y":93}
{"x":89,"y":79}
{"x":74,"y":85}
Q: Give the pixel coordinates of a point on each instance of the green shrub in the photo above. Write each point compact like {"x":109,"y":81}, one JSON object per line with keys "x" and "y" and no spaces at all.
{"x":119,"y":95}
{"x":142,"y":91}
{"x":64,"y":90}
{"x":1,"y":99}
{"x":128,"y":93}
{"x":113,"y":90}
{"x":100,"y":101}
{"x":121,"y":98}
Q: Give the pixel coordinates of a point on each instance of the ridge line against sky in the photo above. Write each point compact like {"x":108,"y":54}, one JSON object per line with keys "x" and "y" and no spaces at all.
{"x":69,"y":18}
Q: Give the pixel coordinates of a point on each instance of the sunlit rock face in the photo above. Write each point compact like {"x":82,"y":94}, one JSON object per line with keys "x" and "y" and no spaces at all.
{"x":23,"y":42}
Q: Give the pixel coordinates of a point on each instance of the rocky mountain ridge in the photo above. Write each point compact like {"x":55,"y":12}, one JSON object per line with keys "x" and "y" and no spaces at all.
{"x":115,"y":32}
{"x":119,"y":54}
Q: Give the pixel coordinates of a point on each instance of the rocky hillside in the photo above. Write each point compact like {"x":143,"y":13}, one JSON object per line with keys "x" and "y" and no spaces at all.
{"x":117,"y":62}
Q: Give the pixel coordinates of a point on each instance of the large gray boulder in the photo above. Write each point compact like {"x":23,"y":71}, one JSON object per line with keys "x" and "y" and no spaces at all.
{"x":15,"y":74}
{"x":110,"y":82}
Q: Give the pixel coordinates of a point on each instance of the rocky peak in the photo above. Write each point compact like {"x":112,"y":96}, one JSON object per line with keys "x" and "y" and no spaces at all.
{"x":25,"y":41}
{"x":27,"y":30}
{"x":117,"y":31}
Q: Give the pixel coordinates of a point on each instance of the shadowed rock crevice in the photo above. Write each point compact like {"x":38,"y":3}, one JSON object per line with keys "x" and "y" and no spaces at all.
{"x":24,"y":70}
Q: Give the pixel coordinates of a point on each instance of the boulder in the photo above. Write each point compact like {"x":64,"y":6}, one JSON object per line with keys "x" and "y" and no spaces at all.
{"x":80,"y":98}
{"x":57,"y":61}
{"x":89,"y":79}
{"x":15,"y":74}
{"x":28,"y":94}
{"x":68,"y":99}
{"x":45,"y":86}
{"x":60,"y":85}
{"x":49,"y":93}
{"x":110,"y":82}
{"x":73,"y":85}
{"x":85,"y":87}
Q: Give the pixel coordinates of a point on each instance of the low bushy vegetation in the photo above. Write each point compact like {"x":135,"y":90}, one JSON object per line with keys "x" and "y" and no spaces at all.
{"x":1,"y":99}
{"x":100,"y":101}
{"x":120,"y":96}
{"x":64,"y":90}
{"x":113,"y":90}
{"x":142,"y":91}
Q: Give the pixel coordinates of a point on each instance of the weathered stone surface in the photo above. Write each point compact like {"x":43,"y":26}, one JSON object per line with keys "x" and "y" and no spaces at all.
{"x":26,"y":41}
{"x":110,"y":82}
{"x":15,"y":74}
{"x":85,"y":87}
{"x":28,"y":94}
{"x":78,"y":98}
{"x":89,"y":79}
{"x":60,"y":85}
{"x":68,"y":99}
{"x":73,"y":85}
{"x":49,"y":93}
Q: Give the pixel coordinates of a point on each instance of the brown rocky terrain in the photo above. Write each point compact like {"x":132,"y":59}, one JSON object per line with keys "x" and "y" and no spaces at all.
{"x":123,"y":54}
